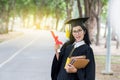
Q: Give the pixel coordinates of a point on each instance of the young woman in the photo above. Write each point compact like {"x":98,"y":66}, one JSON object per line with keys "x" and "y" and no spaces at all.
{"x":79,"y":39}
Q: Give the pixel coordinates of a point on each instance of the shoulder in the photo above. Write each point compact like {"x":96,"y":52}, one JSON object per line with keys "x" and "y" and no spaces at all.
{"x":87,"y":47}
{"x":89,"y":51}
{"x":65,"y":47}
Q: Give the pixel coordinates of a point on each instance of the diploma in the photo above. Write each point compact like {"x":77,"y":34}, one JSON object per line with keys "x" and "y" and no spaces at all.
{"x":57,"y":42}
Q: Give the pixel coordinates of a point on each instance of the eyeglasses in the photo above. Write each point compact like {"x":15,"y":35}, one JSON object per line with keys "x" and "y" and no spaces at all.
{"x":77,"y":31}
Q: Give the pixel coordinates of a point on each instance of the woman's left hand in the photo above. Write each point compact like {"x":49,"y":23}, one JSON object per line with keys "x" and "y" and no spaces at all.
{"x":70,"y":68}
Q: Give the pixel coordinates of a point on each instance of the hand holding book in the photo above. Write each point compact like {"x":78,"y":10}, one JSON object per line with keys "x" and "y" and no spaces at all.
{"x":78,"y":61}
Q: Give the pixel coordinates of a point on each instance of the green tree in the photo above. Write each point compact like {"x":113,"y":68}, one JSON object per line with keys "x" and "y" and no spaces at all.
{"x":92,"y":9}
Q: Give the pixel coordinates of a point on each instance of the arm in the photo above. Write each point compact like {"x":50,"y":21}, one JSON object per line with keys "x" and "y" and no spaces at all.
{"x":54,"y":68}
{"x":57,"y":50}
{"x":57,"y":60}
{"x":88,"y":73}
{"x":70,"y":68}
{"x":90,"y":69}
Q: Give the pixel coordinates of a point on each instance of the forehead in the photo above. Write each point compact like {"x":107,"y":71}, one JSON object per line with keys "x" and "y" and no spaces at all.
{"x":76,"y":28}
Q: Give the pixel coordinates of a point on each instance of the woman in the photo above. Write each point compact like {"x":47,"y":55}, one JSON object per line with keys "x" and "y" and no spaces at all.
{"x":79,"y":40}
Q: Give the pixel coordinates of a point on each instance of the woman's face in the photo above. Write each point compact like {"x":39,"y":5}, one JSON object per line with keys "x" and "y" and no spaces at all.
{"x":78,"y":33}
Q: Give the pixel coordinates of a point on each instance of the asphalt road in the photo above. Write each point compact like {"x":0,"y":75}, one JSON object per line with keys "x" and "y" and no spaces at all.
{"x":28,"y":57}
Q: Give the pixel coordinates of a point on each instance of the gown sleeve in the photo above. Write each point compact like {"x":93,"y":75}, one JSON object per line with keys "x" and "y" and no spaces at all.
{"x":56,"y":64}
{"x":88,"y":73}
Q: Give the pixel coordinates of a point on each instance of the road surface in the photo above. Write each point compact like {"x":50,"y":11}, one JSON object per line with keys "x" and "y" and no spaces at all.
{"x":28,"y":57}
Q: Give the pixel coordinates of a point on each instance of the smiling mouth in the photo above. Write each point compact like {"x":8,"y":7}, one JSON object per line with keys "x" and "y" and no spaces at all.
{"x":78,"y":37}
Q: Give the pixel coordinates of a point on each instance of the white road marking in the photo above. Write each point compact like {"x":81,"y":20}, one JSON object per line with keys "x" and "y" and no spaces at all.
{"x":16,"y":53}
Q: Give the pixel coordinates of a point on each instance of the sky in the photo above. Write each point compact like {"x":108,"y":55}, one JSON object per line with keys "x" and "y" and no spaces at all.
{"x":114,"y":16}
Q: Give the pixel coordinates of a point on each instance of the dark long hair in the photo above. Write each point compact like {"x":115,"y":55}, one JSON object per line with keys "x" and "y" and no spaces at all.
{"x":86,"y":36}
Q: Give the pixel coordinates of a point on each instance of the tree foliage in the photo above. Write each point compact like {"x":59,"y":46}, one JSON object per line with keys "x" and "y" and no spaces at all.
{"x":24,"y":8}
{"x":57,"y":9}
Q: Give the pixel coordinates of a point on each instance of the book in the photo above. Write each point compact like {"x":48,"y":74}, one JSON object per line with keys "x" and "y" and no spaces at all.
{"x":79,"y":62}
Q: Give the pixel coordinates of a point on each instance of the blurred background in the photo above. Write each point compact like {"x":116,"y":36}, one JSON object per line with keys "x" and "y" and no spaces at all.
{"x":51,"y":14}
{"x":19,"y":16}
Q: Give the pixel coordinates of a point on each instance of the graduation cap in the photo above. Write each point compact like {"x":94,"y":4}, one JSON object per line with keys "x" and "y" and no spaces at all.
{"x":77,"y":21}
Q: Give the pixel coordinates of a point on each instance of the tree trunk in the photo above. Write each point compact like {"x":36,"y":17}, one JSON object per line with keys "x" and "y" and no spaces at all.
{"x":98,"y":21}
{"x":89,"y":6}
{"x":11,"y":29}
{"x":69,"y":5}
{"x":7,"y":21}
{"x":57,"y":21}
{"x":91,"y":28}
{"x":79,"y":8}
{"x":14,"y":12}
{"x":105,"y":30}
{"x":98,"y":31}
{"x":93,"y":10}
{"x":3,"y":18}
{"x":117,"y":44}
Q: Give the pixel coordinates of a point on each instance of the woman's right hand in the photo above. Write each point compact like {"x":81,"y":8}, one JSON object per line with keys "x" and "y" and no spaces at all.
{"x":57,"y":46}
{"x":70,"y":68}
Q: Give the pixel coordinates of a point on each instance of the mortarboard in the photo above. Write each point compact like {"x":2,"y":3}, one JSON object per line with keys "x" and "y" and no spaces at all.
{"x":77,"y":21}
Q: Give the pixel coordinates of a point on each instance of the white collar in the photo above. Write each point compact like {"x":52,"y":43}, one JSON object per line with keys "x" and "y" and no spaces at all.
{"x":77,"y":44}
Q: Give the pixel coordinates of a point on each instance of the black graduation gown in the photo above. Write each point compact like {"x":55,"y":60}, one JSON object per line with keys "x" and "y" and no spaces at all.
{"x":88,"y":73}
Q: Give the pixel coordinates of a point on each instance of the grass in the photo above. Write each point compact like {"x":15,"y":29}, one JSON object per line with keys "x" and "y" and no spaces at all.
{"x":102,"y":59}
{"x":100,"y":66}
{"x":118,"y":77}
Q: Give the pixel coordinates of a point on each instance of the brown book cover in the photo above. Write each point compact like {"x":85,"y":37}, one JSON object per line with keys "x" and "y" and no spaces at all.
{"x":79,"y":61}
